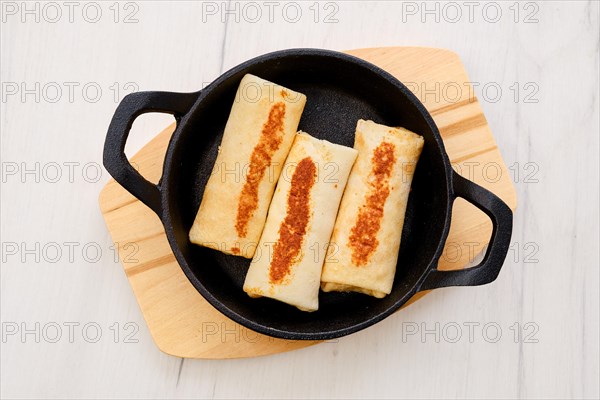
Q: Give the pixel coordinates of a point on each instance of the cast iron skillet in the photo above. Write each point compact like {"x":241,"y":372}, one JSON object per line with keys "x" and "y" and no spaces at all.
{"x":341,"y":89}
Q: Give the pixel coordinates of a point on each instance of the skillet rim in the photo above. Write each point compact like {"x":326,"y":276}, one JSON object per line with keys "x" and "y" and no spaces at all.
{"x":168,"y":169}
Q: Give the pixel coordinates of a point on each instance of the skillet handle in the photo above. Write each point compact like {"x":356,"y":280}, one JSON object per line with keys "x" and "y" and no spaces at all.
{"x":502,"y":220}
{"x":114,"y":159}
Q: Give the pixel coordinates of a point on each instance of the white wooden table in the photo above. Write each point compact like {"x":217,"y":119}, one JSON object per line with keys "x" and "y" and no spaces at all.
{"x":70,"y":325}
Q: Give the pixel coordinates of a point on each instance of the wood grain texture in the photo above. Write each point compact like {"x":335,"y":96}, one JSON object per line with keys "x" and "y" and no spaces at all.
{"x":183,"y":324}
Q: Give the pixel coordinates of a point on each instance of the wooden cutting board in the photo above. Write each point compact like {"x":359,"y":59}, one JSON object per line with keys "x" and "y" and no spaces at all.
{"x":183,"y":324}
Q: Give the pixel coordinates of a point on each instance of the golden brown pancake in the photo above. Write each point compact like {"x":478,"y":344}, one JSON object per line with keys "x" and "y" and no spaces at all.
{"x":288,"y":262}
{"x":257,"y":138}
{"x":368,"y":229}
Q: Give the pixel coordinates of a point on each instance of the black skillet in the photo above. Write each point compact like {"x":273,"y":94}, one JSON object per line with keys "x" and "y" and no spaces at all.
{"x":341,"y":89}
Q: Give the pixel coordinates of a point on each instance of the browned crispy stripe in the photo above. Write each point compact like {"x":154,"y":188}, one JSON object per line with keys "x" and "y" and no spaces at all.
{"x":363,"y":236}
{"x":270,"y":140}
{"x":293,"y":227}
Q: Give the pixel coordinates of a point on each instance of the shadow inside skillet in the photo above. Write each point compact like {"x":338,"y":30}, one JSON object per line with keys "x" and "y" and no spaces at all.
{"x":338,"y":94}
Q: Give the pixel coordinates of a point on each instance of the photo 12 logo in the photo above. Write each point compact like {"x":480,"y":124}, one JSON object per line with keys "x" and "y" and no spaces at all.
{"x":471,"y":332}
{"x":50,"y":172}
{"x":271,"y":11}
{"x":493,"y":172}
{"x":471,"y":91}
{"x":65,"y":92}
{"x":470,"y":11}
{"x":68,"y":331}
{"x":68,"y":252}
{"x":230,"y":332}
{"x":53,"y":12}
{"x":469,"y":251}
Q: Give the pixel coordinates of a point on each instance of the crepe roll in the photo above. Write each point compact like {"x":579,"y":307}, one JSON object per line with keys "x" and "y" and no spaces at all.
{"x":368,"y":230}
{"x":258,"y":135}
{"x":288,"y":261}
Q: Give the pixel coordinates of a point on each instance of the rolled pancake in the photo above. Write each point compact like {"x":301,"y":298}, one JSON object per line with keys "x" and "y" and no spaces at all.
{"x":288,"y":262}
{"x":258,"y":135}
{"x":367,"y":233}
